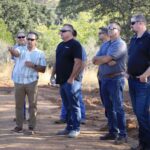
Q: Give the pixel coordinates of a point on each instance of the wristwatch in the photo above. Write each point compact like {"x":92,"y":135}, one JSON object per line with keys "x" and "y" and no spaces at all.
{"x":35,"y":66}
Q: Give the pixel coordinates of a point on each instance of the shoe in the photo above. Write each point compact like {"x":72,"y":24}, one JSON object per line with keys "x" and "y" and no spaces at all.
{"x":63,"y":132}
{"x":120,"y":140}
{"x":83,"y":121}
{"x":17,"y":130}
{"x":60,"y":121}
{"x":108,"y":136}
{"x":30,"y":131}
{"x":73,"y":134}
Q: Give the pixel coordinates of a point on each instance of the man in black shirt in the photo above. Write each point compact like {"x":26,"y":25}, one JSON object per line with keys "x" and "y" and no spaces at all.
{"x":139,"y":81}
{"x":68,"y":66}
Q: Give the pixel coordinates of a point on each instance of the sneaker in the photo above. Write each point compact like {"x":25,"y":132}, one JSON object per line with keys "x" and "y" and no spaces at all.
{"x":108,"y":136}
{"x":73,"y":134}
{"x":17,"y":130}
{"x":120,"y":140}
{"x":63,"y":132}
{"x":30,"y":131}
{"x":60,"y":121}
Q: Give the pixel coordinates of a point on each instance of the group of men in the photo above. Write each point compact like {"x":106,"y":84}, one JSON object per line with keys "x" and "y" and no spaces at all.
{"x":115,"y":60}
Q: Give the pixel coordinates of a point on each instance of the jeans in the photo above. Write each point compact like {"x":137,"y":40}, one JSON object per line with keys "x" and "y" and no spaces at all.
{"x":100,"y":93}
{"x":112,"y":93}
{"x":82,"y":106}
{"x":140,"y":98}
{"x":70,"y":97}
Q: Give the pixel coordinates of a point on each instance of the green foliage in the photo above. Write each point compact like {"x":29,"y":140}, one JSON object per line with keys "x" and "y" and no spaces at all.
{"x":23,"y":14}
{"x":116,"y":10}
{"x":87,"y":34}
{"x":5,"y":35}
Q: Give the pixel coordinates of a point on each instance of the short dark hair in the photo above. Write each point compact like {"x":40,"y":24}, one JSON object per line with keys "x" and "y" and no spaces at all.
{"x":36,"y":34}
{"x":70,"y":26}
{"x":118,"y":26}
{"x":140,"y":17}
{"x":75,"y":33}
{"x":104,"y":30}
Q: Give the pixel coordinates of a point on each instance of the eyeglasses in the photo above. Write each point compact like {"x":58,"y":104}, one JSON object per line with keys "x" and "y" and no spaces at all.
{"x":63,"y":31}
{"x":29,"y":39}
{"x":112,"y":28}
{"x":134,"y":22}
{"x":21,"y":37}
{"x":102,"y":33}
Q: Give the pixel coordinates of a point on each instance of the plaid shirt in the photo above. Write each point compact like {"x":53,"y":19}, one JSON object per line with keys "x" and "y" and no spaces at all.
{"x":23,"y":74}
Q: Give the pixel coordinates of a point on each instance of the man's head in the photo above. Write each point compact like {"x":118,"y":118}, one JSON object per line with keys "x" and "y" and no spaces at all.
{"x":32,"y":38}
{"x":138,"y":23}
{"x":103,"y":34}
{"x":66,"y":32}
{"x":21,"y":38}
{"x":114,"y":30}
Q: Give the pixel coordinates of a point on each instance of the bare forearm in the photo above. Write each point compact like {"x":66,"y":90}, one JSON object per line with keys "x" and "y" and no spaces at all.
{"x":99,"y":60}
{"x":53,"y":71}
{"x":76,"y":70}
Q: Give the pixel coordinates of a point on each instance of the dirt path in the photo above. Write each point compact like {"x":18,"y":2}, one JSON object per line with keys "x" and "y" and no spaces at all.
{"x":45,"y":137}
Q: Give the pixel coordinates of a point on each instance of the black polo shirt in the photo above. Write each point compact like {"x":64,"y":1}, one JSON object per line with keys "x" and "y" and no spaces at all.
{"x":66,"y":52}
{"x":139,"y":54}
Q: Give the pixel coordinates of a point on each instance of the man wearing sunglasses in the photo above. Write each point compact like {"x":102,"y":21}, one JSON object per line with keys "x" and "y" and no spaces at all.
{"x":25,"y":76}
{"x":112,"y":83}
{"x":63,"y":113}
{"x":68,"y":66}
{"x":139,"y":78}
{"x":22,"y":45}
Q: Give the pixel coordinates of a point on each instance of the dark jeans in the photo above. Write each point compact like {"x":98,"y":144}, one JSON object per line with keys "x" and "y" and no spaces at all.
{"x":140,"y":98}
{"x":101,"y":96}
{"x":112,"y":93}
{"x":70,"y":96}
{"x":82,"y":106}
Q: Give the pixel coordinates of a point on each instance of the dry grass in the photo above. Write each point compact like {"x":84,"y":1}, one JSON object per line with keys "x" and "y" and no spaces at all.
{"x":90,"y":81}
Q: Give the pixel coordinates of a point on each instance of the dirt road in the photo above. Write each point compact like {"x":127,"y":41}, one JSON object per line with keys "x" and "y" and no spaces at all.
{"x":48,"y":111}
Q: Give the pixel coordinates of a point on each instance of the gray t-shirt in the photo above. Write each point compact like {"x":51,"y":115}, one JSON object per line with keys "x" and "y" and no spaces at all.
{"x":118,"y":51}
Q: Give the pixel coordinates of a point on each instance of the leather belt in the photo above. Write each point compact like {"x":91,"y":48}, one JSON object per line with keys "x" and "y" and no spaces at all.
{"x":112,"y":75}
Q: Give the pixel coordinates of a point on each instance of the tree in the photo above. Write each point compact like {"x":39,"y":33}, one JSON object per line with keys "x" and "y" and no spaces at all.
{"x":23,"y":14}
{"x":116,"y":10}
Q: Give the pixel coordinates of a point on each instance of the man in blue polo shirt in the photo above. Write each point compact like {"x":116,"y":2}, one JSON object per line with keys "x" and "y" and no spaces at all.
{"x":112,"y":83}
{"x":139,"y":81}
{"x":68,"y":67}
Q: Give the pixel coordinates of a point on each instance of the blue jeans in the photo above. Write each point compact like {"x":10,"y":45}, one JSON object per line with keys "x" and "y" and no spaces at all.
{"x":112,"y":93}
{"x":140,"y":98}
{"x":82,"y":106}
{"x":70,"y":97}
{"x":100,"y":93}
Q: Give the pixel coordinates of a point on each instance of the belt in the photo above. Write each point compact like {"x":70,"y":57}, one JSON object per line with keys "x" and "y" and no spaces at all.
{"x":112,"y":75}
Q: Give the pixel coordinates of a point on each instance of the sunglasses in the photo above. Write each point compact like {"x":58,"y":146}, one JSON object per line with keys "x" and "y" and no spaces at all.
{"x":21,"y":37}
{"x":112,"y":28}
{"x":63,"y":31}
{"x":134,"y":22}
{"x":29,"y":39}
{"x":102,"y":33}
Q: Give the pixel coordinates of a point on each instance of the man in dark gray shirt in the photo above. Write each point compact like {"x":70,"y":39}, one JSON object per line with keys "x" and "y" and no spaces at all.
{"x":112,"y":83}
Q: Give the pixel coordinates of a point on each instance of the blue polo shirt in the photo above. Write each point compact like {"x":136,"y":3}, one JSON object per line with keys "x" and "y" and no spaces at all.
{"x":66,"y":52}
{"x":139,"y":54}
{"x":117,"y":49}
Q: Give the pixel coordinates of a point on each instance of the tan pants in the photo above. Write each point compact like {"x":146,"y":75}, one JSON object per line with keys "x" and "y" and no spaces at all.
{"x":21,"y":91}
